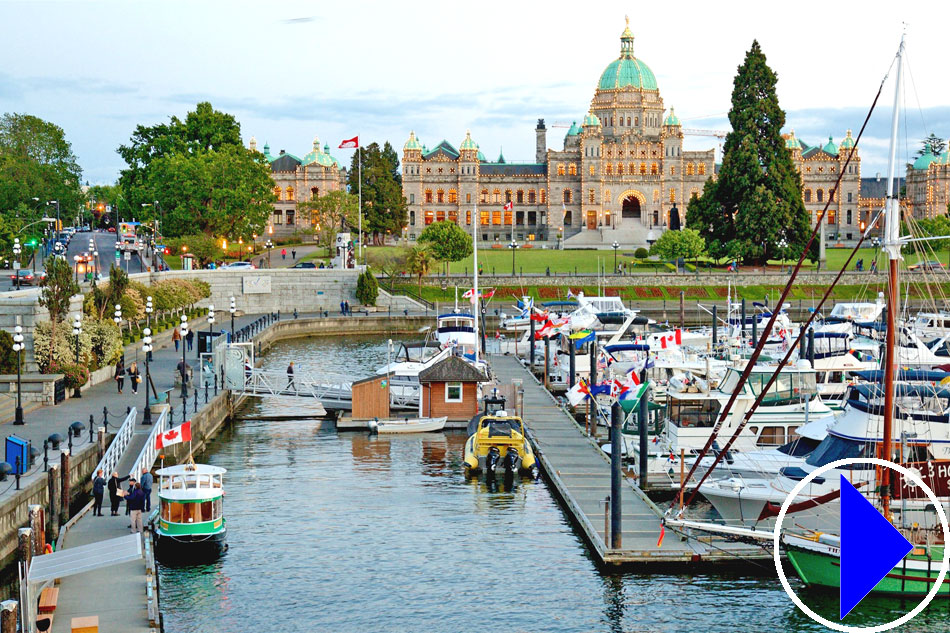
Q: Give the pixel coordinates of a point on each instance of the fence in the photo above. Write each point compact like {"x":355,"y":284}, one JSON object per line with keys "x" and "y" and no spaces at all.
{"x":147,"y":455}
{"x":123,"y":437}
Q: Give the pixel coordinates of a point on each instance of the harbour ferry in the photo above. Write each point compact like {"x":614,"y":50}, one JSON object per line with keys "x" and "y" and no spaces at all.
{"x":190,"y":522}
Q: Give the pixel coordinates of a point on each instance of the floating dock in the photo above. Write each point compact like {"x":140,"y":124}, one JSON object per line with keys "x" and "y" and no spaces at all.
{"x":580,"y":474}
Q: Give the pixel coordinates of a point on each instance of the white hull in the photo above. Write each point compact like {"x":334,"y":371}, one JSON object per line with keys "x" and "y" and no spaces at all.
{"x":411,"y":425}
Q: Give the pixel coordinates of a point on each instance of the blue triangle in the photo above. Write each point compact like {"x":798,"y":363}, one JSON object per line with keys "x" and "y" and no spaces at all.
{"x":870,"y":547}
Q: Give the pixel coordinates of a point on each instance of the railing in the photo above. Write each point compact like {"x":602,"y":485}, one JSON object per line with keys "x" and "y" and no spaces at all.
{"x":110,"y":460}
{"x":258,"y":382}
{"x":147,"y":455}
{"x":404,"y":393}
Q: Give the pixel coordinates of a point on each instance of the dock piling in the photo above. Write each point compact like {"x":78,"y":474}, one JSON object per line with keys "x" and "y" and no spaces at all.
{"x":616,"y":476}
{"x":52,"y":482}
{"x":571,"y":368}
{"x":715,"y":327}
{"x":8,"y":616}
{"x":547,"y":361}
{"x":642,"y":428}
{"x":25,"y":545}
{"x":39,"y":530}
{"x":742,"y":321}
{"x":531,"y":342}
{"x":64,"y":486}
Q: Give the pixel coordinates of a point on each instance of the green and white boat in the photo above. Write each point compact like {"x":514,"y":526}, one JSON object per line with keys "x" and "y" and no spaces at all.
{"x":190,"y":522}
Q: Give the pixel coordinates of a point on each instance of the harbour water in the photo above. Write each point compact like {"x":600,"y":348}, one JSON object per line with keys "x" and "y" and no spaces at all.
{"x":347,"y":532}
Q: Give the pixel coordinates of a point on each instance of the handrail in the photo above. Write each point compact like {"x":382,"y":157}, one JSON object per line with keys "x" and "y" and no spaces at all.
{"x":146,"y":457}
{"x":110,"y":460}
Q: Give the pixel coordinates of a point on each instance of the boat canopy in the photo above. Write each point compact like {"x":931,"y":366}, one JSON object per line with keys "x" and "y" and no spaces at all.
{"x":902,"y":389}
{"x":819,"y":335}
{"x":190,"y":469}
{"x":626,"y":347}
{"x":910,"y":375}
{"x":453,"y":315}
{"x":560,"y":304}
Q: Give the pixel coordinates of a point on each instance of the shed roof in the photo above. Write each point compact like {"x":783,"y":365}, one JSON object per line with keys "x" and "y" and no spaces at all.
{"x":452,"y":369}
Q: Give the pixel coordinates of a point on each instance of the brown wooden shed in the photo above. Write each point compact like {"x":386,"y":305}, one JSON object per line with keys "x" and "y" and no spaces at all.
{"x":450,"y":388}
{"x":371,"y":398}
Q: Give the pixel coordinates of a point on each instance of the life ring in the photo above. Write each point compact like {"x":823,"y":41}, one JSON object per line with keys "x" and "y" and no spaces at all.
{"x":48,"y":549}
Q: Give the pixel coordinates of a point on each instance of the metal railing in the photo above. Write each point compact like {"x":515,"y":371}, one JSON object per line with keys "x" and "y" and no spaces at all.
{"x":110,"y":460}
{"x":258,"y":382}
{"x":148,"y":454}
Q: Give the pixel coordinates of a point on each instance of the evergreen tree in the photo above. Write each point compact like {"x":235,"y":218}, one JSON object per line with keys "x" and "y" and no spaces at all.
{"x":757,"y":199}
{"x":933,"y":144}
{"x":384,"y":207}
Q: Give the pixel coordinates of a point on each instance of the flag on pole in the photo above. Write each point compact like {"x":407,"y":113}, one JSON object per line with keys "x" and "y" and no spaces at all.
{"x":570,"y":295}
{"x":659,"y":541}
{"x":176,"y":435}
{"x":578,"y":393}
{"x":470,"y":294}
{"x":350,"y":143}
{"x":509,"y":206}
{"x":584,"y":336}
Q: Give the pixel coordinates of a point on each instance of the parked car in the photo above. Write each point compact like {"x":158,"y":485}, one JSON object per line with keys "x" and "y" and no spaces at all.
{"x":239,"y":266}
{"x":111,"y":229}
{"x":927,"y":265}
{"x":27,"y":278}
{"x":304,"y":265}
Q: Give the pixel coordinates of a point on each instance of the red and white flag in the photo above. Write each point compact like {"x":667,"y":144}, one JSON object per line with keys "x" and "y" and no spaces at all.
{"x":485,"y":294}
{"x":509,"y":206}
{"x":176,"y":435}
{"x":350,"y":143}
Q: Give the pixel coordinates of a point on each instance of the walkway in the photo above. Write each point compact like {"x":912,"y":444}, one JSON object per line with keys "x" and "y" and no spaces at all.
{"x":580,"y":473}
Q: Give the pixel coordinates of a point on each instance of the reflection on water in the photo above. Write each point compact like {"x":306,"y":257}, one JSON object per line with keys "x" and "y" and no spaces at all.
{"x":348,"y":532}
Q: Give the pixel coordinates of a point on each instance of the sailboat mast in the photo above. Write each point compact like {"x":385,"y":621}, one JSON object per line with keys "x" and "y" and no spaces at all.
{"x":893,"y":248}
{"x":475,"y":296}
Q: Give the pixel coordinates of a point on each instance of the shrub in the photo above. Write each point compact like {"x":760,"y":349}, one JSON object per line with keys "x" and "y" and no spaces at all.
{"x":76,"y":375}
{"x":641,"y":253}
{"x":366,"y":288}
{"x":7,"y":355}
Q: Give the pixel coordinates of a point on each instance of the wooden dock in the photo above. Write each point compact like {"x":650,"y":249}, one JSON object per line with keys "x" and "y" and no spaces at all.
{"x":580,"y":474}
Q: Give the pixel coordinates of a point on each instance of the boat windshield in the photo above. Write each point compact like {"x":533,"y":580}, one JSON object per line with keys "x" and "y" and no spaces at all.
{"x":799,"y":447}
{"x":833,"y":448}
{"x":693,"y":413}
{"x":788,"y":387}
{"x":192,"y":512}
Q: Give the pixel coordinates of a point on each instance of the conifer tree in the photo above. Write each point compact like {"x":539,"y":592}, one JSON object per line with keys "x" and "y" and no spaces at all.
{"x":756,"y":201}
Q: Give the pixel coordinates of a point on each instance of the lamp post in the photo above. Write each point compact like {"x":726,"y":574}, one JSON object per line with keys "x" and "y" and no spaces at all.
{"x":240,"y":249}
{"x":615,"y":246}
{"x":76,"y":259}
{"x":782,"y":244}
{"x":18,"y":348}
{"x":513,"y":245}
{"x":184,"y":367}
{"x":77,"y":330}
{"x":560,"y":236}
{"x":148,"y":324}
{"x":268,"y":245}
{"x":232,"y":310}
{"x":147,"y":348}
{"x":211,"y":318}
{"x":16,"y":261}
{"x":117,"y":317}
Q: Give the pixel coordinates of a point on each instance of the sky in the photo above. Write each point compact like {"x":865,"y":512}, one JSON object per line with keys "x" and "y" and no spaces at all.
{"x":293,"y":70}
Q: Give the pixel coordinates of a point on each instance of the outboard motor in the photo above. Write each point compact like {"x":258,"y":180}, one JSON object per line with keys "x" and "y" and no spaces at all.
{"x":373,"y":426}
{"x":511,"y":460}
{"x":491,"y":460}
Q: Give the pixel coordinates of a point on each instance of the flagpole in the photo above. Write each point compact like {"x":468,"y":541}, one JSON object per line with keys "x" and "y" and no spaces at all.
{"x":475,"y":273}
{"x":359,"y":162}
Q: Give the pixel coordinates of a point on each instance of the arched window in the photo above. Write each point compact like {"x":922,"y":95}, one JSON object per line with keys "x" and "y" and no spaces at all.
{"x":656,"y":196}
{"x":831,"y":195}
{"x":519,"y":197}
{"x":654,"y":169}
{"x":607,"y":197}
{"x":531,"y":196}
{"x":636,"y":120}
{"x":610,"y":169}
{"x":672,"y":170}
{"x":544,"y":197}
{"x":567,"y":196}
{"x":628,"y":121}
{"x":620,"y":169}
{"x":808,"y":195}
{"x":643,"y":169}
{"x":277,"y":193}
{"x":694,"y":194}
{"x":689,"y":169}
{"x":702,"y":169}
{"x":484,"y":196}
{"x":440,"y":196}
{"x":496,"y":196}
{"x":590,"y":196}
{"x":290,"y":193}
{"x":591,"y":170}
{"x":672,"y":194}
{"x":560,"y":169}
{"x":820,"y":195}
{"x":428,"y":197}
{"x":453,"y":196}
{"x":507,"y":196}
{"x":632,"y":168}
{"x":573,"y":169}
{"x":314,"y":193}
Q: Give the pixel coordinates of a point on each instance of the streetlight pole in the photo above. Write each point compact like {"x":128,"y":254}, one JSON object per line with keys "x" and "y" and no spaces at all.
{"x":16,"y":261}
{"x":18,"y":348}
{"x":232,"y":310}
{"x":76,"y":262}
{"x":513,"y":246}
{"x":77,"y":330}
{"x":211,"y":320}
{"x":615,"y":246}
{"x":184,"y":367}
{"x":269,"y":245}
{"x":148,"y":325}
{"x":147,"y":348}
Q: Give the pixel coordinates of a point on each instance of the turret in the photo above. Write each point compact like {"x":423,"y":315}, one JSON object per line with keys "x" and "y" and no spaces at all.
{"x":541,"y":142}
{"x":468,"y":150}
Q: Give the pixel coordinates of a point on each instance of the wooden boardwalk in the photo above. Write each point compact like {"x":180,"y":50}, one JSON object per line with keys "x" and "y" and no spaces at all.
{"x":580,"y":473}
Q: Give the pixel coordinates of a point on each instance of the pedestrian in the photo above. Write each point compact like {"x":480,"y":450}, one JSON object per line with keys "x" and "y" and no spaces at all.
{"x":290,"y":376}
{"x":114,"y":492}
{"x":134,"y":376}
{"x":346,"y":305}
{"x":342,"y":308}
{"x":98,"y":490}
{"x":176,"y":337}
{"x":293,"y":254}
{"x":120,"y":375}
{"x":128,"y":509}
{"x":136,"y":501}
{"x":146,"y":480}
{"x":190,"y":339}
{"x":873,"y":268}
{"x":283,"y":253}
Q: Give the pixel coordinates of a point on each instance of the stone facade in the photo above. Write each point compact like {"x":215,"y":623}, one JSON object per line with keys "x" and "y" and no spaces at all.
{"x":928,"y":185}
{"x":300,"y":179}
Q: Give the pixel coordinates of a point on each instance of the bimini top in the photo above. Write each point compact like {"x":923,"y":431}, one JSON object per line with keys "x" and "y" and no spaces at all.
{"x":910,"y":375}
{"x":190,"y":469}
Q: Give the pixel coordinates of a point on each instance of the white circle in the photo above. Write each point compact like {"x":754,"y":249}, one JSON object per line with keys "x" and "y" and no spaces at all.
{"x":944,"y":567}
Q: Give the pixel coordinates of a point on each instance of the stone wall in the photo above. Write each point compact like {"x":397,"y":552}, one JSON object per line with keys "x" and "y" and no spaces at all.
{"x":567,"y":279}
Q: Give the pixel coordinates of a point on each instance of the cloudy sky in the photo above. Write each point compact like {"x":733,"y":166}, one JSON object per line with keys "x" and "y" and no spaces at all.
{"x":292,"y":70}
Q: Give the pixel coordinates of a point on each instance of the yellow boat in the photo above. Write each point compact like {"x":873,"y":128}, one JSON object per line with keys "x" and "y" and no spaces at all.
{"x":499,"y":441}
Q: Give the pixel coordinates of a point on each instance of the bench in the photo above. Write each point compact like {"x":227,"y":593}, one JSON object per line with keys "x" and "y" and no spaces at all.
{"x":48,"y":598}
{"x":85,"y":624}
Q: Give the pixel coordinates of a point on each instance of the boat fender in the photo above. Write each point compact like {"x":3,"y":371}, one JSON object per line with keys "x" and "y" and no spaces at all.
{"x":373,"y":426}
{"x":48,"y":549}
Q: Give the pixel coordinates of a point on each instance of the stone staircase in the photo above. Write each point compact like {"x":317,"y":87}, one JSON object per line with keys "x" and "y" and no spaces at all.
{"x":627,"y":236}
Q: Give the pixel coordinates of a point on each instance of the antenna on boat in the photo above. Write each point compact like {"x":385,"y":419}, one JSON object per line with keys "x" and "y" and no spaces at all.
{"x":475,"y":296}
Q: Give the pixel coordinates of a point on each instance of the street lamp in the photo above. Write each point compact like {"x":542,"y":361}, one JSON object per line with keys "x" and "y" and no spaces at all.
{"x":147,"y":348}
{"x":232,"y":310}
{"x":240,"y":249}
{"x":513,"y":246}
{"x":117,"y":317}
{"x":615,"y":246}
{"x":18,"y":348}
{"x":211,"y":318}
{"x":148,"y":324}
{"x":560,"y":236}
{"x":782,"y":244}
{"x":269,"y":245}
{"x":16,"y":261}
{"x":77,"y":330}
{"x":76,"y":259}
{"x":184,"y":369}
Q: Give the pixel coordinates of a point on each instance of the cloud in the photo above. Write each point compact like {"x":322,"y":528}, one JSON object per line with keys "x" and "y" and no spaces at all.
{"x":19,"y":87}
{"x":299,"y":20}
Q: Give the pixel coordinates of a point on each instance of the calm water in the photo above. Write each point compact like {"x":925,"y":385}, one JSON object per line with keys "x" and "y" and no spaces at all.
{"x":348,"y":533}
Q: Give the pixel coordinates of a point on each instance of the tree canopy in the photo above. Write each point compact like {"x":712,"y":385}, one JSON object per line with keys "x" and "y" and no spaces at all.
{"x":202,"y":176}
{"x":384,"y":207}
{"x":756,"y":203}
{"x":933,"y":144}
{"x":687,"y":243}
{"x":331,"y":213}
{"x":447,"y":241}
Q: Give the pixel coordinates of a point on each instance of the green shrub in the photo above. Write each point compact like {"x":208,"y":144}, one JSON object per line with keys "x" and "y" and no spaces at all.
{"x":76,"y":375}
{"x":641,"y":253}
{"x":7,"y":355}
{"x":366,"y":288}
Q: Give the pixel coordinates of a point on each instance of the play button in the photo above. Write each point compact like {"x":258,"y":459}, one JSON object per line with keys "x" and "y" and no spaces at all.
{"x":870,"y":547}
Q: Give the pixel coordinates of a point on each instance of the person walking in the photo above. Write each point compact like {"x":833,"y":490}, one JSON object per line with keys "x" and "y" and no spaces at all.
{"x":136,"y":501}
{"x":120,"y":375}
{"x":290,"y":376}
{"x":293,"y":254}
{"x":190,"y":339}
{"x":128,"y":492}
{"x":134,"y":376}
{"x":98,"y":491}
{"x":114,"y":496}
{"x":342,"y":308}
{"x":346,"y":305}
{"x":176,"y":337}
{"x":283,"y":253}
{"x":146,"y":480}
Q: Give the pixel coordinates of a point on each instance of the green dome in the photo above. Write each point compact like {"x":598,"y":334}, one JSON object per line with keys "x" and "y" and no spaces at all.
{"x":468,"y":143}
{"x":848,"y":142}
{"x":267,"y":155}
{"x":574,"y":131}
{"x":413,"y":142}
{"x":791,"y":142}
{"x":591,"y":119}
{"x":924,"y":161}
{"x":830,"y":147}
{"x":481,"y":157}
{"x":671,"y":119}
{"x":627,"y":71}
{"x":318,"y":156}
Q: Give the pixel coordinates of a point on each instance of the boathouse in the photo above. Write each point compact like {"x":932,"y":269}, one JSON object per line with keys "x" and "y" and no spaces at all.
{"x":450,"y":388}
{"x":371,"y":397}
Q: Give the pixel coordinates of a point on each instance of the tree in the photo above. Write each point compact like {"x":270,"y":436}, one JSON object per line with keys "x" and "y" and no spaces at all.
{"x":418,"y":263}
{"x":931,"y":227}
{"x":756,"y":201}
{"x":366,"y":288}
{"x":933,"y":144}
{"x":384,"y":206}
{"x":447,"y":241}
{"x":205,"y":248}
{"x":332,"y":213}
{"x":36,"y":161}
{"x":58,"y":289}
{"x":389,"y":263}
{"x":687,"y":243}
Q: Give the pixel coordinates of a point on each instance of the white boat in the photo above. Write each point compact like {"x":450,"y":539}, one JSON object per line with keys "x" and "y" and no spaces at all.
{"x":408,"y":425}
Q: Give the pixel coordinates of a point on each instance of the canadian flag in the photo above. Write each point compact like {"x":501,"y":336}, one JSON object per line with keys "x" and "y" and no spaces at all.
{"x":487,"y":294}
{"x":350,"y":143}
{"x":176,"y":435}
{"x":509,"y":206}
{"x":468,"y":294}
